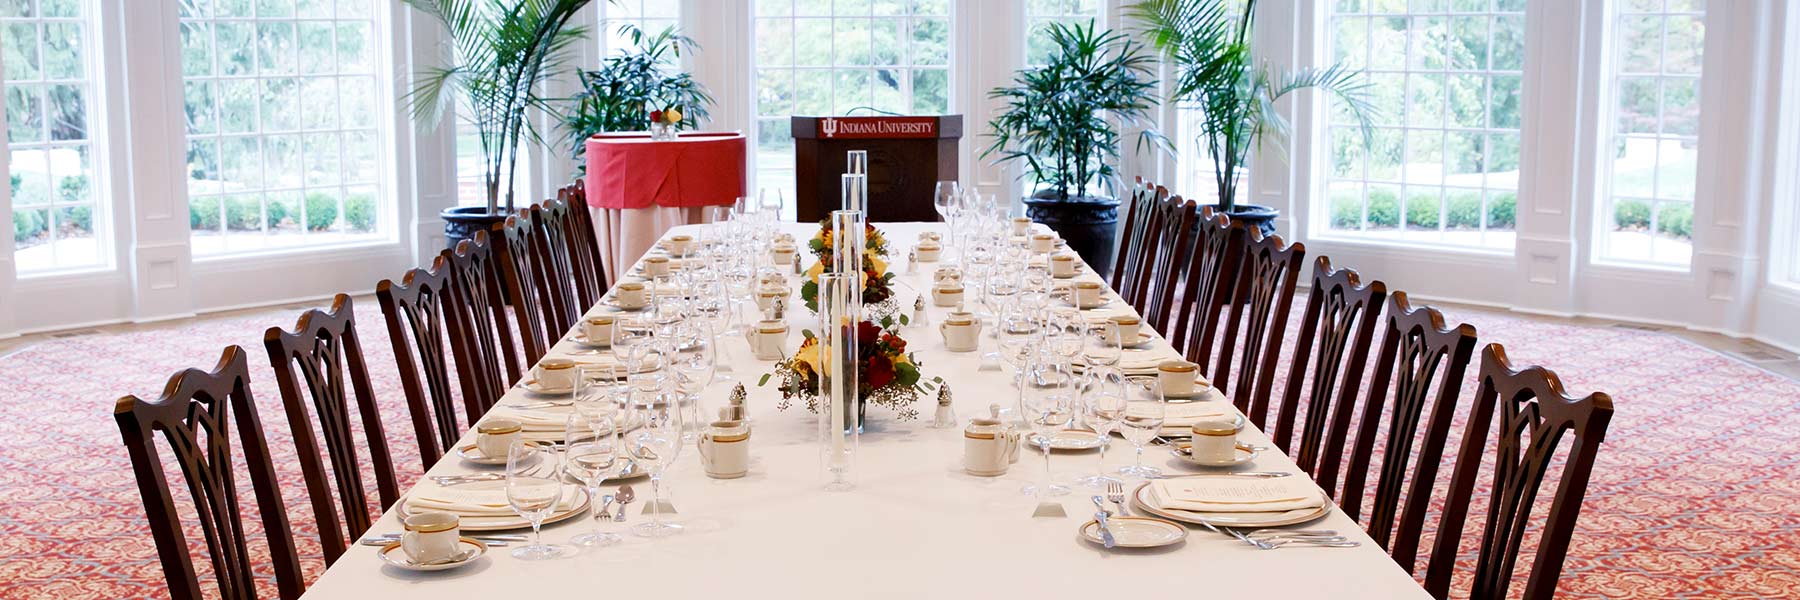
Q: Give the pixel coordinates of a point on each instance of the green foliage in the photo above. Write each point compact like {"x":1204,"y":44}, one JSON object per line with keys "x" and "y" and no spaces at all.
{"x":277,"y":214}
{"x":203,"y":213}
{"x":1207,"y":42}
{"x":80,"y":218}
{"x":1462,"y":210}
{"x":620,"y":95}
{"x":1422,"y":210}
{"x":73,"y":189}
{"x":1676,"y":220}
{"x":1502,"y":208}
{"x":243,"y":213}
{"x":1384,"y":208}
{"x":359,"y":212}
{"x":321,"y":211}
{"x":1631,"y":214}
{"x":17,"y":180}
{"x":505,"y":51}
{"x":1062,"y":119}
{"x":28,"y":224}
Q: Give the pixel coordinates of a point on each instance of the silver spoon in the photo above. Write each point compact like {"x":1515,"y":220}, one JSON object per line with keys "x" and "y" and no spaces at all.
{"x":625,"y":496}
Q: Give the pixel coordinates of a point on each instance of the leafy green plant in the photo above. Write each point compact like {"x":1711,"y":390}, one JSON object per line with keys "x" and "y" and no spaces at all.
{"x":620,"y":94}
{"x":1631,"y":214}
{"x":243,"y":213}
{"x":1676,"y":220}
{"x":359,"y":212}
{"x":1502,"y":209}
{"x":73,"y":189}
{"x":1384,"y":208}
{"x":1422,"y":210}
{"x":1062,"y":119}
{"x":1207,"y":42}
{"x":504,"y":51}
{"x":1462,"y":210}
{"x":203,"y":213}
{"x":28,"y":224}
{"x":321,"y":211}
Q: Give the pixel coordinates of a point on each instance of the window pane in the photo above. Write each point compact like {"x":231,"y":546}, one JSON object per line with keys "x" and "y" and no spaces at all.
{"x":1654,"y":134}
{"x":58,"y":206}
{"x":281,"y":118}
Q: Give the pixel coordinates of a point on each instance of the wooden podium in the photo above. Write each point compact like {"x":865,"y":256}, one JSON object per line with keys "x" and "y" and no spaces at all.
{"x":907,"y":157}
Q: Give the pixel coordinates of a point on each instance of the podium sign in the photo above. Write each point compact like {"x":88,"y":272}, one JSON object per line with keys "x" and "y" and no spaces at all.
{"x":907,"y":157}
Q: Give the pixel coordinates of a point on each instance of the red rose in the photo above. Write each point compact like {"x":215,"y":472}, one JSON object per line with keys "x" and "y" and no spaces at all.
{"x":881,"y":371}
{"x":866,"y":334}
{"x":656,"y":116}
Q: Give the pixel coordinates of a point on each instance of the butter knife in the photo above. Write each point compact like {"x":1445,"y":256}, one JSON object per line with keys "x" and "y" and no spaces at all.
{"x":1106,"y":536}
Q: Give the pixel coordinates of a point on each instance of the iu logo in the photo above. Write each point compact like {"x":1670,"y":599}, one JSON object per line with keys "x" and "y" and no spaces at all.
{"x":829,"y":126}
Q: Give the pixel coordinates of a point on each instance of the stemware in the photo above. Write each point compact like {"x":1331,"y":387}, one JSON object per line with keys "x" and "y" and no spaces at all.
{"x":591,"y":455}
{"x":1066,"y":332}
{"x":1102,"y":347}
{"x":1046,"y":403}
{"x":1019,"y":332}
{"x":534,"y":489}
{"x":1103,"y":409}
{"x":1144,"y":410}
{"x":770,"y":204}
{"x":694,"y":362}
{"x":631,"y":337}
{"x":655,"y":444}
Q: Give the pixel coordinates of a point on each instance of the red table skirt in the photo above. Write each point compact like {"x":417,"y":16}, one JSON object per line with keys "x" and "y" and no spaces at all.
{"x":629,"y":170}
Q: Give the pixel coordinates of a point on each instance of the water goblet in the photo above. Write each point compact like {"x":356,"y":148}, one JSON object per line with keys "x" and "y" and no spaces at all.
{"x":1143,"y":420}
{"x":1102,"y":409}
{"x":1047,"y":404}
{"x":655,"y":444}
{"x":533,"y":490}
{"x":591,"y":455}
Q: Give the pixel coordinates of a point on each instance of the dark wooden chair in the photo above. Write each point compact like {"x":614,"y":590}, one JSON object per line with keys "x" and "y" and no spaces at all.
{"x":1175,"y":240}
{"x":191,"y":416}
{"x":1535,"y":414}
{"x":321,"y":363}
{"x":1339,"y":322}
{"x":1418,"y":355}
{"x":1262,"y":297}
{"x":476,"y":315}
{"x":518,"y":267}
{"x":584,"y":247}
{"x":414,"y":311}
{"x":1218,"y":248}
{"x":555,"y":276}
{"x":1144,"y":268}
{"x":1137,"y":214}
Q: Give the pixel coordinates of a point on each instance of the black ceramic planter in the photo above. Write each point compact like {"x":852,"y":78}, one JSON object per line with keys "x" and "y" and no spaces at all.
{"x":1088,"y":223}
{"x":461,"y":223}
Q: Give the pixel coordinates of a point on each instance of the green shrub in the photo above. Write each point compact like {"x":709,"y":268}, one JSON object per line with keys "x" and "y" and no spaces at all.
{"x":359,"y":212}
{"x":1631,"y":214}
{"x":1346,"y":210}
{"x":321,"y":211}
{"x":1422,"y":210}
{"x":73,"y":189}
{"x":1462,"y":210}
{"x":1502,"y":210}
{"x":17,"y":180}
{"x":80,"y":218}
{"x":28,"y":224}
{"x":277,"y":213}
{"x":1676,"y":220}
{"x":203,"y":213}
{"x":243,"y":213}
{"x":1384,"y":208}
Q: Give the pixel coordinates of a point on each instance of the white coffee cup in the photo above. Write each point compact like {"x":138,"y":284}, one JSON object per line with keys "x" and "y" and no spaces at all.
{"x":1087,"y":293}
{"x":725,"y":449}
{"x":929,"y":251}
{"x":1063,"y":265}
{"x":1043,"y":243}
{"x":783,"y":254}
{"x":948,"y":294}
{"x":769,"y":340}
{"x":766,"y":297}
{"x":598,"y":330}
{"x":656,"y":266}
{"x":932,"y":236}
{"x":555,"y":374}
{"x":679,"y":245}
{"x":962,"y":332}
{"x":1177,"y":377}
{"x":1215,"y":441}
{"x":1126,"y":326}
{"x":1020,"y":225}
{"x":494,"y":436}
{"x":631,"y":294}
{"x":431,"y":536}
{"x":985,"y":451}
{"x":946,"y":275}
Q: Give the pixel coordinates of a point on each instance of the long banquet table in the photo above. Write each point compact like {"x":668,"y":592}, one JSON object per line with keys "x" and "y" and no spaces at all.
{"x":915,"y":526}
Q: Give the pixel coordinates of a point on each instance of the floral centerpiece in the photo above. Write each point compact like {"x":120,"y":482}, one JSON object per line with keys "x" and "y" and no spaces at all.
{"x":663,"y":121}
{"x":878,"y":282}
{"x":887,"y":376}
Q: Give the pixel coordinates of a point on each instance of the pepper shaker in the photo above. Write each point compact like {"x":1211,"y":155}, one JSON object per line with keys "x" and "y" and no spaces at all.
{"x":946,"y":416}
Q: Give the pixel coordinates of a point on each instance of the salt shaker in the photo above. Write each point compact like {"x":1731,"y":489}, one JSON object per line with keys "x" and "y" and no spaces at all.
{"x":918,"y":313}
{"x":946,"y":416}
{"x":912,"y":260}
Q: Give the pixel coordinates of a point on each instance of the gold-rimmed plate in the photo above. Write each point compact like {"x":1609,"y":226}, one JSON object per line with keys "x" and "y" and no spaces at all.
{"x":1242,"y":455}
{"x":1134,"y":532}
{"x":1139,"y":499}
{"x":394,"y":555}
{"x":1069,"y":440}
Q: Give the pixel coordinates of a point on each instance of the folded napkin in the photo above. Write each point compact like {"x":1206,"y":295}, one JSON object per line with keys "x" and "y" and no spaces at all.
{"x":1236,"y":494}
{"x":1148,"y":359}
{"x":472,"y":501}
{"x":1183,"y":416}
{"x":532,"y":420}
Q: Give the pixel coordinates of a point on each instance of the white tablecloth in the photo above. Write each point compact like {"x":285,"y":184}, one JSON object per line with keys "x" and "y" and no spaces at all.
{"x":916,"y":526}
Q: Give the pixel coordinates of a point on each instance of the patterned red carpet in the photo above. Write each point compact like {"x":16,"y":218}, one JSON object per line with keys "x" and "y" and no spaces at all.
{"x":1694,"y":494}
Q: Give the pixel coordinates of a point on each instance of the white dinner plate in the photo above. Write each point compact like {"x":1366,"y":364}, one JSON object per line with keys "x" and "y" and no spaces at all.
{"x":1252,"y":520}
{"x":1135,"y":532}
{"x":393,"y":554}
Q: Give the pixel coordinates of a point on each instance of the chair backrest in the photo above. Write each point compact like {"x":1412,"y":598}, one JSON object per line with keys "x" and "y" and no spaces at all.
{"x":1176,"y":238}
{"x":191,"y":416}
{"x":1336,"y":333}
{"x":584,"y":247}
{"x":414,"y":311}
{"x":1417,"y":352}
{"x":1135,"y":248}
{"x":476,"y":314}
{"x":1218,"y":248}
{"x":1144,"y":270}
{"x":1260,"y":303}
{"x":518,"y":266}
{"x":321,"y":363}
{"x":1136,"y":211}
{"x":1535,"y":415}
{"x":555,"y":276}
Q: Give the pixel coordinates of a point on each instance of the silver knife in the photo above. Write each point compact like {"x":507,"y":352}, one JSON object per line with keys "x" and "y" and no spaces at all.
{"x":1106,"y":536}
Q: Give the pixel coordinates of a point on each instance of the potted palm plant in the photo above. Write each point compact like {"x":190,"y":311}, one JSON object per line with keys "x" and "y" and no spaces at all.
{"x":504,"y":50}
{"x":1207,"y":44}
{"x":620,"y":95}
{"x":1062,"y":120}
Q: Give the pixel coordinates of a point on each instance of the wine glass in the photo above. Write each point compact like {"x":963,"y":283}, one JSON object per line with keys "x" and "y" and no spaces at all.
{"x":1103,"y":408}
{"x":769,"y":205}
{"x":944,"y":197}
{"x":694,"y":363}
{"x":631,"y":337}
{"x":1144,"y":410}
{"x":534,"y":489}
{"x":591,"y":457}
{"x":1019,"y":333}
{"x":1102,"y":346}
{"x":655,"y":444}
{"x":1067,"y":333}
{"x":1047,"y":404}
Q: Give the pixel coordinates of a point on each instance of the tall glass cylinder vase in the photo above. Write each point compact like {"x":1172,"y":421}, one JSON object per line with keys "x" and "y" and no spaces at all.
{"x":839,"y":419}
{"x":856,"y":192}
{"x":856,"y":162}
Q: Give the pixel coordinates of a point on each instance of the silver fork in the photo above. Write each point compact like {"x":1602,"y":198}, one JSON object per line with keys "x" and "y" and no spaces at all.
{"x":1115,"y":492}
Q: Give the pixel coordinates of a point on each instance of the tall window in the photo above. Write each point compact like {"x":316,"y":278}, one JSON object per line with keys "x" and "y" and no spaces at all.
{"x":471,"y":165}
{"x":826,"y":57}
{"x":1198,"y":178}
{"x":1655,"y":51}
{"x":1039,"y":14}
{"x":50,"y":108}
{"x":1443,"y":165}
{"x":283,"y":121}
{"x":651,"y":16}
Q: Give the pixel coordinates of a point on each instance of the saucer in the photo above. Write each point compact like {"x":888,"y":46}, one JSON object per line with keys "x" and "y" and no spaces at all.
{"x":1201,"y":388}
{"x":612,"y":302}
{"x":582,"y":339}
{"x":1070,"y":440}
{"x":1142,"y":340}
{"x":1183,"y":449}
{"x":1134,"y":532}
{"x":1103,"y":301}
{"x":472,"y":453}
{"x":392,"y":554}
{"x":532,"y":385}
